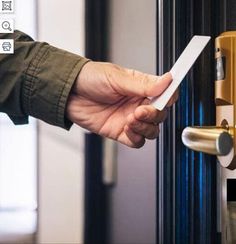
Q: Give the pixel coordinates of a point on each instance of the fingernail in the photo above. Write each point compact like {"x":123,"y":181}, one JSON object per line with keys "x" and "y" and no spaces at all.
{"x":167,"y":76}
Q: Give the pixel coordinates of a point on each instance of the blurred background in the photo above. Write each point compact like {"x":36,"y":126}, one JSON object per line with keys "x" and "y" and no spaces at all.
{"x":42,"y":167}
{"x":46,"y":196}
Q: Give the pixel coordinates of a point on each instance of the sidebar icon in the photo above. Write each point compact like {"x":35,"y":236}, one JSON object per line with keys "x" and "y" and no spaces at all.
{"x":6,"y":46}
{"x":6,"y":6}
{"x":6,"y":26}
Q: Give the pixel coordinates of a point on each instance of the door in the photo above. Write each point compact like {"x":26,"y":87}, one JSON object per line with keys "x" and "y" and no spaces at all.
{"x":190,"y":206}
{"x":187,"y":210}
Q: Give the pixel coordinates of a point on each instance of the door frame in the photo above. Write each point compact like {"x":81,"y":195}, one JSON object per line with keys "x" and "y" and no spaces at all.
{"x":187,"y":185}
{"x":96,"y":193}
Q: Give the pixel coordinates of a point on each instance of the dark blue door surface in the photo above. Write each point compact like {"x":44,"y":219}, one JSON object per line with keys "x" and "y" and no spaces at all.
{"x":186,"y":180}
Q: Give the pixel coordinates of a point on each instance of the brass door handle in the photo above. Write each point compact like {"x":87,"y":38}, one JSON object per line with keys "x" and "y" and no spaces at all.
{"x":221,"y":139}
{"x":212,"y":140}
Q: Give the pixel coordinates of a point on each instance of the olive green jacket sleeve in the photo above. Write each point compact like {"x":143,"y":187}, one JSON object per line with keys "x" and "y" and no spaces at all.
{"x":36,"y":80}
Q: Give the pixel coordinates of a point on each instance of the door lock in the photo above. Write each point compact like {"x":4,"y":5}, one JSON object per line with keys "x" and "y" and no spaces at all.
{"x":220,"y":140}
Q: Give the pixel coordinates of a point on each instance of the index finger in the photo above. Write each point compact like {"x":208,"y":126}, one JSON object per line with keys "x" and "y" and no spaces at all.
{"x":149,"y":114}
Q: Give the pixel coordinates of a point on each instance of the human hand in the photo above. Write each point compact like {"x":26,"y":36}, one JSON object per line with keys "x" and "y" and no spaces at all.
{"x":112,"y":101}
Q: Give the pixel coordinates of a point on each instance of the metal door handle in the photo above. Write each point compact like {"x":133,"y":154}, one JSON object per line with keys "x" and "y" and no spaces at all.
{"x":221,"y":139}
{"x":211,"y":140}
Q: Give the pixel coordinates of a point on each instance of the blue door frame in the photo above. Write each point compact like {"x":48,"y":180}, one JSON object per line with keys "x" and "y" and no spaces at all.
{"x":186,"y":180}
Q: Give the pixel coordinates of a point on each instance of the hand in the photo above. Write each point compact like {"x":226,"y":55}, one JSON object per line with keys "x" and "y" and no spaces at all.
{"x":112,"y":101}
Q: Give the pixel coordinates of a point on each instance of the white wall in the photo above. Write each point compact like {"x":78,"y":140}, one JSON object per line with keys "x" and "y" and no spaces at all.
{"x":61,"y":164}
{"x":18,"y":169}
{"x":25,"y":16}
{"x":18,"y":158}
{"x":61,"y":23}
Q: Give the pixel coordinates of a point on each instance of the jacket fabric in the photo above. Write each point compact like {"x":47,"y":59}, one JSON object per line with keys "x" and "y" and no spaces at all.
{"x":36,"y":80}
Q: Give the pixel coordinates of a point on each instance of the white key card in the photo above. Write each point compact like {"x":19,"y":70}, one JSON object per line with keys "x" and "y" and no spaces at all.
{"x":181,"y":68}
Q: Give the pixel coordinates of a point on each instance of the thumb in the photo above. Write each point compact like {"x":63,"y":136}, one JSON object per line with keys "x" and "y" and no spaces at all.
{"x":144,"y":85}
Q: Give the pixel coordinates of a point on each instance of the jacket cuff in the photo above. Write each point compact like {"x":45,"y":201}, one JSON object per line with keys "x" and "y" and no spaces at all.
{"x":47,"y":84}
{"x":62,"y":120}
